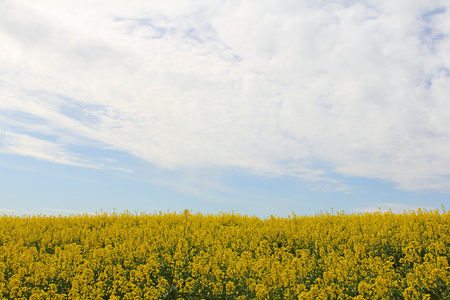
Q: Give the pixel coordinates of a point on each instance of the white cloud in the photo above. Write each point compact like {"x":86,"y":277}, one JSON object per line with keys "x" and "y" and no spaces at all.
{"x":67,"y":211}
{"x":15,"y":212}
{"x":274,"y":88}
{"x":14,"y":143}
{"x":393,"y":207}
{"x":53,"y":211}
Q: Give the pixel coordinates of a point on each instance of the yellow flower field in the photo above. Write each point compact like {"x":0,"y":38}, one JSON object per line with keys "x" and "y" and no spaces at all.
{"x":226,"y":256}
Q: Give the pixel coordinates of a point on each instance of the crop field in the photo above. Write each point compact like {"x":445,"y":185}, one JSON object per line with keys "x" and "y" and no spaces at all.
{"x":226,"y":256}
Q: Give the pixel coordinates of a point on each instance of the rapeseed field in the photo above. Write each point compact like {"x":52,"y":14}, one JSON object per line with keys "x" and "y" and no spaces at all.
{"x":226,"y":256}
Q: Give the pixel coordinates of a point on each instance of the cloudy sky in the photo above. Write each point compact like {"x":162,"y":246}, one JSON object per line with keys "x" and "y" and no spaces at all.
{"x":257,"y":107}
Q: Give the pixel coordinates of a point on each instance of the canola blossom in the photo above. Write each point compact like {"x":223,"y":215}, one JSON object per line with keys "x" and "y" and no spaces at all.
{"x":226,"y":256}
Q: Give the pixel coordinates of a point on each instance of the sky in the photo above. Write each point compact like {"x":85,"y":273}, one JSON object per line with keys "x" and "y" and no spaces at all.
{"x":254,"y":107}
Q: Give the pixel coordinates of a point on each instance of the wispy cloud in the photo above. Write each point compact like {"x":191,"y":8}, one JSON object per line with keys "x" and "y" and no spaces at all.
{"x":66,"y":211}
{"x":393,"y":207}
{"x":275,"y":88}
{"x":41,"y":149}
{"x":15,"y":212}
{"x":46,"y":211}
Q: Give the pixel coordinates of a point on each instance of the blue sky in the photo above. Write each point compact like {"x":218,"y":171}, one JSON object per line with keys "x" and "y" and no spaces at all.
{"x":256,"y":107}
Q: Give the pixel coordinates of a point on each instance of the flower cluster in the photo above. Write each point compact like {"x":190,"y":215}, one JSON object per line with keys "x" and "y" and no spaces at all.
{"x":226,"y":256}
